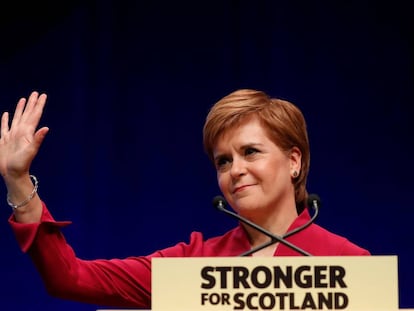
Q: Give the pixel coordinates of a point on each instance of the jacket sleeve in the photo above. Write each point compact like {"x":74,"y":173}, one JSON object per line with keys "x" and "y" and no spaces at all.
{"x":116,"y":282}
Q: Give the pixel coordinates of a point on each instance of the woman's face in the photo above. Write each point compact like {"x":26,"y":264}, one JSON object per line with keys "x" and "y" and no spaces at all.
{"x":252,"y":171}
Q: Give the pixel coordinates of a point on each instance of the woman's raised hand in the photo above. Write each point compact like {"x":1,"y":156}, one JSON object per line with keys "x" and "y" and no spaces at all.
{"x":20,"y":141}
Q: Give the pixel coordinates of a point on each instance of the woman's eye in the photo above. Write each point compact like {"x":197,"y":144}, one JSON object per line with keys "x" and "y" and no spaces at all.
{"x":220,"y":162}
{"x":250,"y":151}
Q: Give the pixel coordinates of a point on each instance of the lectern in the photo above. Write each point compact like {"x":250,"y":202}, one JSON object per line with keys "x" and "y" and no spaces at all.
{"x":357,"y":283}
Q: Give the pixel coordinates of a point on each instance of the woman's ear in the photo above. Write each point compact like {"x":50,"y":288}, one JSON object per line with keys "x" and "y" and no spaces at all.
{"x":295,"y":157}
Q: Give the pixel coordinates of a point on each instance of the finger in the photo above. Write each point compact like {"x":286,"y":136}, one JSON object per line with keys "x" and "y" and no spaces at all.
{"x":32,"y":99}
{"x":40,"y":103}
{"x":37,"y":111}
{"x":31,"y":102}
{"x":4,"y":124}
{"x":19,"y":111}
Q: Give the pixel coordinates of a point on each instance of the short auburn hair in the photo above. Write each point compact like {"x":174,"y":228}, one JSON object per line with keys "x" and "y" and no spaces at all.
{"x":283,"y":121}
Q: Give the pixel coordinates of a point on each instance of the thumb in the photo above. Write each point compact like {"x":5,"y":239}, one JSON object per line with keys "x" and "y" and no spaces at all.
{"x":40,"y":135}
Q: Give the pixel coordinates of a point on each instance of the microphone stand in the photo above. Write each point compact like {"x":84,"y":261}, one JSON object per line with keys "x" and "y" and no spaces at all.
{"x":313,"y":200}
{"x":274,"y":238}
{"x":288,"y":234}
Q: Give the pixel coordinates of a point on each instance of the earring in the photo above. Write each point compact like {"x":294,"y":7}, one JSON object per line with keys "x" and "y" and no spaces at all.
{"x":295,"y":174}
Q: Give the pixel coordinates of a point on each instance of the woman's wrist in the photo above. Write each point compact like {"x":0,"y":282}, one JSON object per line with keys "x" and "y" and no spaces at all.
{"x":23,"y":198}
{"x":26,"y":201}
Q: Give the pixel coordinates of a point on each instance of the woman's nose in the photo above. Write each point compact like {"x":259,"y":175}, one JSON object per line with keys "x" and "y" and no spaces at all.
{"x":238,"y":168}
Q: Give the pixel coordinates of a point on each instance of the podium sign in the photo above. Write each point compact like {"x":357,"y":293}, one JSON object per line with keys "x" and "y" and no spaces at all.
{"x":275,"y":283}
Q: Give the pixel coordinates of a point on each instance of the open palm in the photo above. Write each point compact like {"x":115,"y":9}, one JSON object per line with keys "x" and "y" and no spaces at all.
{"x":20,"y":142}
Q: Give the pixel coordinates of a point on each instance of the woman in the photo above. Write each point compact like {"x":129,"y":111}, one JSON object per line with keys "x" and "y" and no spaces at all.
{"x":260,"y":149}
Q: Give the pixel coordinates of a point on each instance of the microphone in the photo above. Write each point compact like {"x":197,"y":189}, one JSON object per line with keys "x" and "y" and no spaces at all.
{"x":313,"y":201}
{"x":220,"y":203}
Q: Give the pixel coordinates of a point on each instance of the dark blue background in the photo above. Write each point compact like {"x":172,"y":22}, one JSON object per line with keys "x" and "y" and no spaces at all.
{"x":129,"y":86}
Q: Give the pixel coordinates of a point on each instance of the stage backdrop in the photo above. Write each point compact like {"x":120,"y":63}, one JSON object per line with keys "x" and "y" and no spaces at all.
{"x":129,"y":86}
